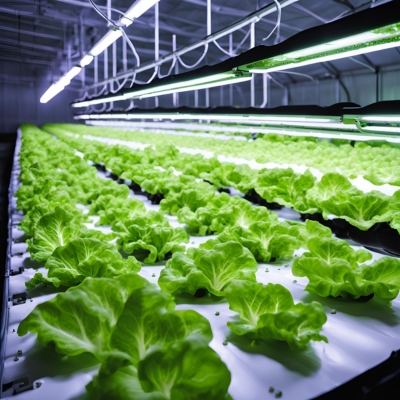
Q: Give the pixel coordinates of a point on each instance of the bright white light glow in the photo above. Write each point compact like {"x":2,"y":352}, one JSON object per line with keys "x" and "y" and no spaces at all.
{"x":109,"y":38}
{"x":74,"y":71}
{"x":87,"y":103}
{"x":329,"y":57}
{"x":64,"y":81}
{"x":53,"y":90}
{"x":136,"y":10}
{"x":86,"y":60}
{"x":386,"y":129}
{"x":382,"y":118}
{"x":193,"y":84}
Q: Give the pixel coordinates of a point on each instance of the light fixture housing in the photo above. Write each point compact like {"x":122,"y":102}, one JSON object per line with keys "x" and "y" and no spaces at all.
{"x":108,"y":39}
{"x":136,"y":10}
{"x":52,"y":91}
{"x":86,"y":60}
{"x":74,"y":71}
{"x":201,"y":78}
{"x":369,"y":30}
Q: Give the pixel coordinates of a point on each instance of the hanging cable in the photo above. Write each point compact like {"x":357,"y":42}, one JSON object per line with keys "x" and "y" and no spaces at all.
{"x":97,"y":9}
{"x":278,"y":20}
{"x":169,"y":71}
{"x":132,"y":48}
{"x":196,"y":63}
{"x":296,"y":73}
{"x":223,"y":50}
{"x":243,"y":40}
{"x":154,"y":74}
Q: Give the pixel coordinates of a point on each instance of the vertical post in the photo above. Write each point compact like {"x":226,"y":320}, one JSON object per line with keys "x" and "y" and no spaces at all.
{"x":208,"y":34}
{"x":196,"y":98}
{"x":252,"y":83}
{"x":265,"y":91}
{"x":230,"y":86}
{"x":96,"y":69}
{"x":124,"y":59}
{"x":175,"y":96}
{"x":156,"y":39}
{"x":378,"y":84}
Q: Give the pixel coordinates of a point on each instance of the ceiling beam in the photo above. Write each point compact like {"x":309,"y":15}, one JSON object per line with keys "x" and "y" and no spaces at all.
{"x":30,"y":33}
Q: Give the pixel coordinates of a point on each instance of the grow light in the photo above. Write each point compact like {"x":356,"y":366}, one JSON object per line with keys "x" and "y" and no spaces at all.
{"x":136,"y":10}
{"x":174,"y":84}
{"x":86,"y":60}
{"x":366,"y":31}
{"x":109,"y":38}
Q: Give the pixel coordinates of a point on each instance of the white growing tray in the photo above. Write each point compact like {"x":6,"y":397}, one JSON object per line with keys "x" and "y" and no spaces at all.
{"x":361,"y":335}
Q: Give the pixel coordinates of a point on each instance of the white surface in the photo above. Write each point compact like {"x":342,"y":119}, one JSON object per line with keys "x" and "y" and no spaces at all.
{"x":361,"y":335}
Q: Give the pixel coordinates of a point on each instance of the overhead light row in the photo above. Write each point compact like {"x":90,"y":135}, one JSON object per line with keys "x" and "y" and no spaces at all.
{"x":370,"y":30}
{"x":193,"y":80}
{"x":380,"y":120}
{"x":114,"y":33}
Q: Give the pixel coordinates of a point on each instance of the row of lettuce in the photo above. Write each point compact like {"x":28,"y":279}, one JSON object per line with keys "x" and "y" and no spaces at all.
{"x":196,"y":204}
{"x":376,"y":161}
{"x":331,"y":265}
{"x":147,"y":349}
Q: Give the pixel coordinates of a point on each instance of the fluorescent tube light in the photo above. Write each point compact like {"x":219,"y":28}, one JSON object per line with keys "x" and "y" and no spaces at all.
{"x":53,"y":90}
{"x":136,"y":10}
{"x":382,"y":118}
{"x":86,"y":60}
{"x":74,"y":71}
{"x":173,"y":84}
{"x":109,"y":38}
{"x":195,"y":84}
{"x":370,"y":30}
{"x":64,"y":81}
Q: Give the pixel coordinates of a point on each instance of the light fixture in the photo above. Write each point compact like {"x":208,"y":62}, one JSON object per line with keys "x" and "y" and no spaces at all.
{"x":109,"y":38}
{"x":285,"y":115}
{"x":53,"y":90}
{"x":136,"y":10}
{"x":86,"y":60}
{"x":370,"y":30}
{"x":381,"y":117}
{"x":201,"y":78}
{"x":74,"y":71}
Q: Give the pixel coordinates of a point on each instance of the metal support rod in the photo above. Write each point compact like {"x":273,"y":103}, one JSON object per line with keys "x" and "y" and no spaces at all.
{"x":230,"y":86}
{"x":265,"y":91}
{"x":175,"y":96}
{"x":156,"y":39}
{"x":253,"y":17}
{"x":124,"y":59}
{"x":378,"y":84}
{"x":208,"y":17}
{"x":252,"y":82}
{"x":196,"y":98}
{"x":207,"y":98}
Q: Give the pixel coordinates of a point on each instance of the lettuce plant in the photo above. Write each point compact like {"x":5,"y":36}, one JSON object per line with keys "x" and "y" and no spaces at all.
{"x":269,"y":312}
{"x":335,"y":269}
{"x":211,"y":269}
{"x":82,"y":258}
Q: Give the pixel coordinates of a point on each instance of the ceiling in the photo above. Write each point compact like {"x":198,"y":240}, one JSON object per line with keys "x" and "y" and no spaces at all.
{"x":45,"y":38}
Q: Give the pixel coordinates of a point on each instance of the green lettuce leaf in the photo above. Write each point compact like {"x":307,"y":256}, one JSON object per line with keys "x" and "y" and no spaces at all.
{"x":333,"y":269}
{"x":81,"y":319}
{"x":269,"y":312}
{"x":266,"y":240}
{"x":53,"y":230}
{"x":149,"y":242}
{"x":185,"y":370}
{"x":149,"y":319}
{"x":112,"y":209}
{"x":240,"y":212}
{"x":285,"y":187}
{"x":82,"y":258}
{"x":211,"y":269}
{"x":329,"y":185}
{"x":362,"y":210}
{"x":193,"y":198}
